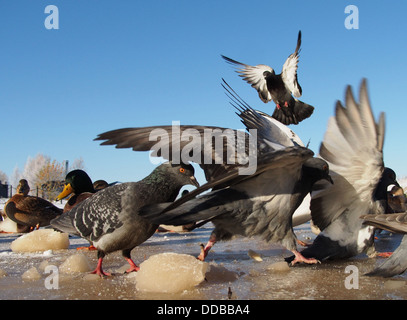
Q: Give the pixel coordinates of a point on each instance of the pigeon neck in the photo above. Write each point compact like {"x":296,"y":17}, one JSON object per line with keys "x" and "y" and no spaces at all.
{"x":166,"y":186}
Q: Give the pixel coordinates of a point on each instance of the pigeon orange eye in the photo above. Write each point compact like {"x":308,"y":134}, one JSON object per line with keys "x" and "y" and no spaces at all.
{"x":182,"y":170}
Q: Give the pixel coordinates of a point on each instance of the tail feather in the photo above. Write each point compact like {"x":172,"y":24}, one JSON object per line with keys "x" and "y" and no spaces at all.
{"x":64,"y":223}
{"x":293,"y":114}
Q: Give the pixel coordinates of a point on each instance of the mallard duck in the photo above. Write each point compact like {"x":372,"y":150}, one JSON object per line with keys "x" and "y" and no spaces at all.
{"x":79,"y":185}
{"x":28,"y":211}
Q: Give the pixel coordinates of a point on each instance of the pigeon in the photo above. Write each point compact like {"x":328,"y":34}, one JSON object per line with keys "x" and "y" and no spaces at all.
{"x":353,"y":148}
{"x":282,"y":88}
{"x":261,"y":203}
{"x":397,"y":223}
{"x":110,"y":218}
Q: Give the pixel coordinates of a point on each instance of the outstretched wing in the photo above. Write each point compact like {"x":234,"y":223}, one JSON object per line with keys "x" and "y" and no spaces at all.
{"x":353,"y":148}
{"x":395,"y":222}
{"x":270,"y":131}
{"x":289,"y":72}
{"x":255,"y":76}
{"x":215,"y":149}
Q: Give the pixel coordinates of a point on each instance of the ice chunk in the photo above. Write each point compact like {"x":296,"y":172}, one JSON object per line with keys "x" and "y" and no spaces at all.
{"x":170,"y":272}
{"x":43,"y":265}
{"x":8,"y":225}
{"x":218,"y":273}
{"x":280,"y":266}
{"x":41,"y":240}
{"x":31,"y":274}
{"x":75,"y":263}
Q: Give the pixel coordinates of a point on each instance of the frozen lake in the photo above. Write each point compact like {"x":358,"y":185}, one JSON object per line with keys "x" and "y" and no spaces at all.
{"x":231,"y":268}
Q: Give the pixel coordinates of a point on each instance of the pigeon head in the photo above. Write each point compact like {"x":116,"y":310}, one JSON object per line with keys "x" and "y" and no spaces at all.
{"x":181,"y":173}
{"x":386,"y":182}
{"x":315,"y":169}
{"x":76,"y":181}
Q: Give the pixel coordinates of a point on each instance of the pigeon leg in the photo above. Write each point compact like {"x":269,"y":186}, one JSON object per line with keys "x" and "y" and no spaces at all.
{"x":99,"y":271}
{"x":286,"y":104}
{"x":300,"y":258}
{"x":303,"y":243}
{"x":133,"y":266}
{"x":278,"y":106}
{"x":205,"y":250}
{"x":384,"y":254}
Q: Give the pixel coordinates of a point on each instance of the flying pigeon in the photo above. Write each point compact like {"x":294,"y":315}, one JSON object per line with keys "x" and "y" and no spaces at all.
{"x":397,"y":223}
{"x":110,"y":220}
{"x":259,"y":204}
{"x":282,"y":88}
{"x":353,"y":148}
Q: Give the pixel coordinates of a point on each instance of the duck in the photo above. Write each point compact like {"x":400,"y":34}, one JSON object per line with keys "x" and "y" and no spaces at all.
{"x":110,"y":218}
{"x":29,"y":212}
{"x":79,"y":186}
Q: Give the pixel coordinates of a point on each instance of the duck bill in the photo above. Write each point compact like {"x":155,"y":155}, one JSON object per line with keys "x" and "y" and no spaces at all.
{"x":194,"y":181}
{"x":66,"y":192}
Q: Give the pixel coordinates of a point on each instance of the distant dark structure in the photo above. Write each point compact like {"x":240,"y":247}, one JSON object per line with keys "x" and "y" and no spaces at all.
{"x":4,"y":190}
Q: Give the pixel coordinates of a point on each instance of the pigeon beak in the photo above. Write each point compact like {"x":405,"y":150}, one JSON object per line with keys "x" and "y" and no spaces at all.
{"x":329,"y":178}
{"x":194,"y":181}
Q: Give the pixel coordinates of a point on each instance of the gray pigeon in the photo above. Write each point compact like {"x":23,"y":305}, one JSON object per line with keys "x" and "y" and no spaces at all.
{"x":353,"y":148}
{"x":259,"y":204}
{"x":110,"y":218}
{"x":280,"y":88}
{"x":397,"y":223}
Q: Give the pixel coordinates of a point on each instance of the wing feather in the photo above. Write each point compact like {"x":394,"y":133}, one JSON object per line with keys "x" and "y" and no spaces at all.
{"x":352,"y":146}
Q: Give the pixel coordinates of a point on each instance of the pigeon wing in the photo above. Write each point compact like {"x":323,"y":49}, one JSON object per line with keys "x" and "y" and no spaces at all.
{"x":215,"y":149}
{"x":395,"y":265}
{"x":255,"y":76}
{"x":352,"y":146}
{"x":395,"y":222}
{"x":269,"y":130}
{"x":189,"y":208}
{"x":289,"y":72}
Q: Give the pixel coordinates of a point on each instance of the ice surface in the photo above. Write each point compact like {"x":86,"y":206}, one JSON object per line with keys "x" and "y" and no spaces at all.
{"x":231,"y":269}
{"x":75,"y":263}
{"x":41,"y":240}
{"x":170,"y":272}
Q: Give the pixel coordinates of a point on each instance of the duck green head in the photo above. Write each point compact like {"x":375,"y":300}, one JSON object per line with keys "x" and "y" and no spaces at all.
{"x":77,"y":182}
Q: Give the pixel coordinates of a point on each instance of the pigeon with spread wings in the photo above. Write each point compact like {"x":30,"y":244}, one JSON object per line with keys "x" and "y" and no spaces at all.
{"x":282,"y":88}
{"x":353,"y":148}
{"x":260,"y":204}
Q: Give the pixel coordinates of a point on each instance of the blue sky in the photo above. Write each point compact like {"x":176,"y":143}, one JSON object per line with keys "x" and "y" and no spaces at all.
{"x":114,"y":64}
